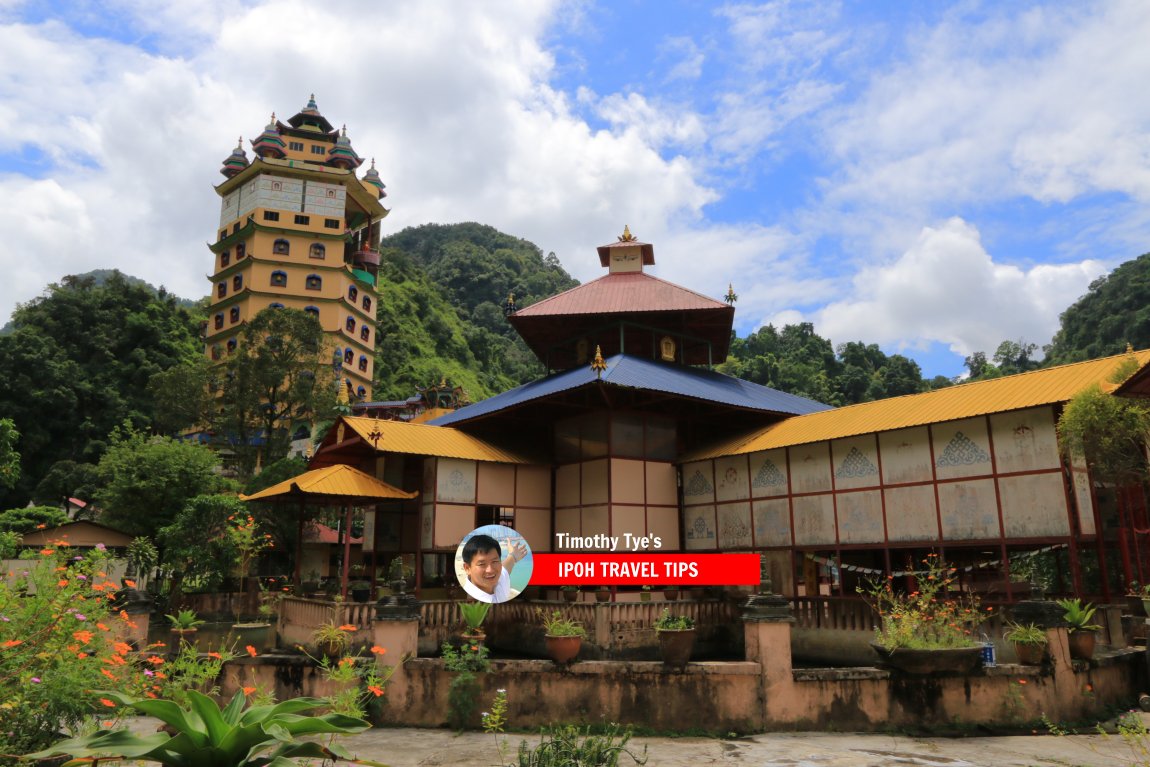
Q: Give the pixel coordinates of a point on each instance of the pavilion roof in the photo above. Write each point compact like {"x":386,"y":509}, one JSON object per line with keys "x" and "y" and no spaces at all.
{"x":337,"y":483}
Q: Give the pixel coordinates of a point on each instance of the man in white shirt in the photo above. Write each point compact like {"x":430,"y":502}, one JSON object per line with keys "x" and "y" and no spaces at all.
{"x":488,"y":578}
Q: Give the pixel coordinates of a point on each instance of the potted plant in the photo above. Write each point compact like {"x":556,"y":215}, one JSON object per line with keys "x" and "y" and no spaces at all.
{"x":676,"y":638}
{"x":671,"y":593}
{"x":563,"y":635}
{"x":142,"y":557}
{"x":474,"y":613}
{"x":1029,"y":642}
{"x":330,"y":640}
{"x":570,"y":593}
{"x":1083,"y":633}
{"x":645,"y":594}
{"x":310,"y":584}
{"x":398,"y":572}
{"x":360,"y":590}
{"x":1138,"y":596}
{"x":603,"y":594}
{"x":927,"y":630}
{"x":185,"y":624}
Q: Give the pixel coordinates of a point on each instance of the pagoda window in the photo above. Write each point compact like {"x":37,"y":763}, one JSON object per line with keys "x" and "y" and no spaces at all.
{"x":237,"y":282}
{"x":271,"y":215}
{"x":350,"y":324}
{"x":365,"y":333}
{"x":279,"y":279}
{"x":225,"y":258}
{"x":361,"y":392}
{"x":223,"y":234}
{"x":295,"y":146}
{"x":331,"y":223}
{"x":352,"y":293}
{"x":217,"y":352}
{"x":313,"y":282}
{"x":362,"y":362}
{"x":276,"y":305}
{"x":302,"y":220}
{"x":231,"y":345}
{"x":317,"y":251}
{"x":367,"y":303}
{"x":219,"y":321}
{"x":240,"y":251}
{"x":317,"y":149}
{"x":221,"y":289}
{"x":348,"y":356}
{"x":313,"y":310}
{"x":281,"y":247}
{"x":234,"y":315}
{"x":235,"y":227}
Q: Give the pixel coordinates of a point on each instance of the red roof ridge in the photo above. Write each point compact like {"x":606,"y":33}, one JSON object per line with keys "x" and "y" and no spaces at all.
{"x":535,"y":308}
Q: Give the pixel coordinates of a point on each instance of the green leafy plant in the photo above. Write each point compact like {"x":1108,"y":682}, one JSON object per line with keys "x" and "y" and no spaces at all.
{"x":185,"y":620}
{"x":207,"y":736}
{"x":668,"y":622}
{"x":1078,"y":615}
{"x":358,"y":683}
{"x":474,"y":613}
{"x":398,"y":570}
{"x":567,"y":745}
{"x":1025,"y":633}
{"x":568,"y":588}
{"x":558,"y":625}
{"x":142,"y":557}
{"x":1138,"y":591}
{"x":330,"y":639}
{"x":929,"y":618}
{"x":467,"y":661}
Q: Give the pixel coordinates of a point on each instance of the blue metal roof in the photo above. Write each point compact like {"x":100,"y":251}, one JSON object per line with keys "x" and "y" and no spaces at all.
{"x":639,"y":373}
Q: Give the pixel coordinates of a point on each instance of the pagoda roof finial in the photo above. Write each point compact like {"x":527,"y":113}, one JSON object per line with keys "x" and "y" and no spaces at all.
{"x":626,"y":236}
{"x":731,"y":296}
{"x":598,"y":364}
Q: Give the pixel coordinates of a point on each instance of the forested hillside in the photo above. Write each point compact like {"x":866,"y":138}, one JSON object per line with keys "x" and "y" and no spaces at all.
{"x":78,"y":360}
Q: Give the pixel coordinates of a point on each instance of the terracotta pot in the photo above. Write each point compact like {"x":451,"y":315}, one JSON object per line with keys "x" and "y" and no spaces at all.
{"x":1030,"y":654}
{"x":180,"y":636}
{"x":474,"y":638}
{"x":1082,"y":644}
{"x":675,"y":647}
{"x":671,"y":595}
{"x":602,"y":596}
{"x":563,"y":649}
{"x":958,"y":660}
{"x":570,"y":596}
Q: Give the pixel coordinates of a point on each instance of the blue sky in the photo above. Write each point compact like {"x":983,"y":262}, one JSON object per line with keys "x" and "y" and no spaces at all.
{"x":935,"y":177}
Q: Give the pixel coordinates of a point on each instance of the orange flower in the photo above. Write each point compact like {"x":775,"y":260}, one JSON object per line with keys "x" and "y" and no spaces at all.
{"x":249,"y":690}
{"x":81,"y":655}
{"x":251,"y":651}
{"x":376,"y":690}
{"x":83,"y":637}
{"x":155,"y":660}
{"x":1089,"y":688}
{"x":107,"y":703}
{"x":62,"y":582}
{"x":151,"y":695}
{"x":1022,"y":681}
{"x":102,"y":627}
{"x":347,"y":627}
{"x":346,"y":661}
{"x":215,"y":655}
{"x":122,"y":648}
{"x":107,"y":673}
{"x":41,"y":526}
{"x":129,"y":583}
{"x":13,"y":642}
{"x":46,"y":552}
{"x":161,"y":675}
{"x":378,"y":650}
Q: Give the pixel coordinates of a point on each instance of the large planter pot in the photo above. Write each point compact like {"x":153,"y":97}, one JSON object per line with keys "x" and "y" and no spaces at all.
{"x":675,"y":647}
{"x":570,"y":596}
{"x":958,"y":660}
{"x":1030,"y":654}
{"x":181,"y":637}
{"x":602,"y":595}
{"x":1082,"y":644}
{"x":563,"y":649}
{"x":671,"y":595}
{"x":260,"y":636}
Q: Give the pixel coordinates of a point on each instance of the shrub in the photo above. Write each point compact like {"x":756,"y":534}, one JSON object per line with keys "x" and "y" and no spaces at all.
{"x":928,"y":618}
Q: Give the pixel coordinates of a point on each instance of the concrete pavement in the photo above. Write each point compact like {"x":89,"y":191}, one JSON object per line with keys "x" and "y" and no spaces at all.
{"x":406,"y":747}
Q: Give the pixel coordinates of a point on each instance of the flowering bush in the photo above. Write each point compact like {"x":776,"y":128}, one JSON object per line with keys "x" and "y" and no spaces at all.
{"x":60,"y":639}
{"x":928,"y":618}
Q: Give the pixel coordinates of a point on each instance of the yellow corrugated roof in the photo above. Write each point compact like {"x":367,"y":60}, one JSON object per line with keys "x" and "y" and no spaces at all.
{"x":998,"y":395}
{"x":338,"y":481}
{"x":421,"y":439}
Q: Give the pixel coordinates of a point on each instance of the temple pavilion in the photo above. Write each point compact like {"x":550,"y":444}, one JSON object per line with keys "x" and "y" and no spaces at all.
{"x":631,"y":431}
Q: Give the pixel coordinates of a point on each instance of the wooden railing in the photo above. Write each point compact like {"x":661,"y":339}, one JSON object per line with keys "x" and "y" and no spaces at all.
{"x":300,"y":617}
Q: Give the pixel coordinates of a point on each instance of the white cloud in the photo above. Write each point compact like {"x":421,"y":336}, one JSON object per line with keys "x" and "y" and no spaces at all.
{"x":947,"y":288}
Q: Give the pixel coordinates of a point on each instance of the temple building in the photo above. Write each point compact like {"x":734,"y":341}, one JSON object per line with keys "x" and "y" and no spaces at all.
{"x":633,"y":432}
{"x":300,"y":229}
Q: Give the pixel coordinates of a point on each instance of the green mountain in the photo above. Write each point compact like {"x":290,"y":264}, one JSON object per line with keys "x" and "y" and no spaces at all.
{"x":1113,"y":313}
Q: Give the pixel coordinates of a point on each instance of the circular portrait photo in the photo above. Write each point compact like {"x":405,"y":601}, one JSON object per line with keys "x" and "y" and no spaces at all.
{"x":493,"y":563}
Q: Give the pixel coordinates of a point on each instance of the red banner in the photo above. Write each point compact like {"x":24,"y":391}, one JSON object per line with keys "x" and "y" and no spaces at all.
{"x":645,"y":570}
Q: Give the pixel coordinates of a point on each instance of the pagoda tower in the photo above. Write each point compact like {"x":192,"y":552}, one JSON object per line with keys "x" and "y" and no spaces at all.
{"x":300,"y":230}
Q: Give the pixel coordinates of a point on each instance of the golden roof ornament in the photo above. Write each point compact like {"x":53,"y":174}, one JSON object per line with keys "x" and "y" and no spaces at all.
{"x":597,"y":364}
{"x":731,"y":296}
{"x":1129,"y":348}
{"x":626,"y":236}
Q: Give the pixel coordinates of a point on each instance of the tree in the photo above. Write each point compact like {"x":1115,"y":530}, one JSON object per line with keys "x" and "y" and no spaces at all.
{"x":29,"y":518}
{"x":196,"y":542}
{"x":1013,"y":357}
{"x":67,"y":479}
{"x":182,"y":397}
{"x":147,"y":480}
{"x":279,"y":378}
{"x":1114,"y":312}
{"x":1109,"y":432}
{"x":9,"y":457}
